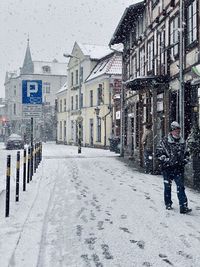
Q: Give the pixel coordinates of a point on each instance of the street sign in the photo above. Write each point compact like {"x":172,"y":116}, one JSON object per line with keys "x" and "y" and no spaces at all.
{"x":32,"y":92}
{"x":32,"y":111}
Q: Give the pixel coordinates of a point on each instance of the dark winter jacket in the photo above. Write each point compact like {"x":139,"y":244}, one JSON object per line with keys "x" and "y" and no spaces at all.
{"x":172,"y":153}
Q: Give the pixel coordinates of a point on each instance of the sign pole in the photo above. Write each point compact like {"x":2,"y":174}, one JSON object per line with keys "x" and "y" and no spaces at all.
{"x":31,"y":147}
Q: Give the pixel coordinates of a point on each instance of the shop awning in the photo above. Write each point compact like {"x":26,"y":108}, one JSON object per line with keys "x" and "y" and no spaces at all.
{"x":141,"y":82}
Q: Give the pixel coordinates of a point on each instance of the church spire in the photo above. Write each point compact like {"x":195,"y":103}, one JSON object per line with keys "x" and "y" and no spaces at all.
{"x":28,"y":66}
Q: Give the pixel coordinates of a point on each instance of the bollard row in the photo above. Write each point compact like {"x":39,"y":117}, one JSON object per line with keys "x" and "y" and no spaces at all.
{"x":30,"y":165}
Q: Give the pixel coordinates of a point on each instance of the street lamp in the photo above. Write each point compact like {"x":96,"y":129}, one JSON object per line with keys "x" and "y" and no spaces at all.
{"x":79,"y":118}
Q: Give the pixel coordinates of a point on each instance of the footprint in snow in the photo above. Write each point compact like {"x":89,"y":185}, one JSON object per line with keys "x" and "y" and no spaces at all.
{"x":100,"y":225}
{"x":146,"y":263}
{"x":141,"y":244}
{"x":125,"y":229}
{"x":79,"y":230}
{"x":106,"y":252}
{"x":184,"y":254}
{"x":123,"y":216}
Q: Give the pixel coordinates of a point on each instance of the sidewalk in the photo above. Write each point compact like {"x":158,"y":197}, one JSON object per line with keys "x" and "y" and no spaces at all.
{"x":93,"y":210}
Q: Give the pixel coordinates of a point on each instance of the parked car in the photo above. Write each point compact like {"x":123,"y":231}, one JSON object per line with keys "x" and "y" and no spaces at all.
{"x":14,"y":141}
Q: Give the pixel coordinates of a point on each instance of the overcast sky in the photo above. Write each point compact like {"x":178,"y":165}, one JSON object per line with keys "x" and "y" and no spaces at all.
{"x":53,"y":27}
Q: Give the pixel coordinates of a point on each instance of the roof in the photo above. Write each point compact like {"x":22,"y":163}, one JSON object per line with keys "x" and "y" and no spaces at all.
{"x":108,"y":65}
{"x":126,"y":22}
{"x":140,"y":82}
{"x":56,"y":68}
{"x":63,"y":88}
{"x":94,"y":51}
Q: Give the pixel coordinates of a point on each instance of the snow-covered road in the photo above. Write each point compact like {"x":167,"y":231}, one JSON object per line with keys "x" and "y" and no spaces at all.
{"x":91,"y":209}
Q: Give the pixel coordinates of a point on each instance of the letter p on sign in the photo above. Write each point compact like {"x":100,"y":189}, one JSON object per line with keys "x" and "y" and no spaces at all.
{"x":32,"y":87}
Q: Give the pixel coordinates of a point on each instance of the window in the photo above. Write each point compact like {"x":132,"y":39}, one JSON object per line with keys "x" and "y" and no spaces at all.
{"x":46,"y":69}
{"x":134,"y":67}
{"x":81,"y":100}
{"x":98,"y":129}
{"x":72,"y":78}
{"x":91,"y":98}
{"x":14,"y":109}
{"x":99,"y":94}
{"x":61,"y":105}
{"x":150,"y":55}
{"x":142,"y":62}
{"x":46,"y":87}
{"x":174,"y":36}
{"x":76,"y":101}
{"x":77,"y":77}
{"x":191,"y":22}
{"x":65,"y":131}
{"x":72,"y":103}
{"x":65,"y":105}
{"x":81,"y":74}
{"x":161,"y":59}
{"x":140,"y":26}
{"x":60,"y":130}
{"x":72,"y":130}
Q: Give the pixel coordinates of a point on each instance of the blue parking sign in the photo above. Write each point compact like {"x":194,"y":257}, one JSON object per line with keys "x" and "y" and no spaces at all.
{"x":31,"y":92}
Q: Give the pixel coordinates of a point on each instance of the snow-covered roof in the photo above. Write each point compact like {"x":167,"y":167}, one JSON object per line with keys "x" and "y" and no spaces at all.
{"x":94,"y":51}
{"x":63,"y":88}
{"x":108,"y":65}
{"x":55,"y":67}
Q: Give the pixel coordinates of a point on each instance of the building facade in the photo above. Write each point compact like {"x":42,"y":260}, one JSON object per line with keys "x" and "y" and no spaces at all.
{"x":161,"y":49}
{"x":53,"y":75}
{"x":100,"y":95}
{"x":83,"y":59}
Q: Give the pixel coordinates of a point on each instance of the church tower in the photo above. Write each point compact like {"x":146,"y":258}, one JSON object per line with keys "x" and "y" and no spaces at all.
{"x":28,"y":67}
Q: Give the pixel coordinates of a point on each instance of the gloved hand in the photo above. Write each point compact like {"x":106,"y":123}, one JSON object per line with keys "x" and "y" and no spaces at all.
{"x":163,"y":158}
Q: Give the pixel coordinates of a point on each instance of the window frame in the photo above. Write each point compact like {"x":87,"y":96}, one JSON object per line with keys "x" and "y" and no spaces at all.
{"x":142,"y":60}
{"x":193,"y":15}
{"x":150,"y":55}
{"x":98,"y":129}
{"x":174,"y":34}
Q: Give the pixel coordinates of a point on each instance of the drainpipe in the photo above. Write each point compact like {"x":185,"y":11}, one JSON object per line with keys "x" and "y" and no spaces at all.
{"x":181,"y":79}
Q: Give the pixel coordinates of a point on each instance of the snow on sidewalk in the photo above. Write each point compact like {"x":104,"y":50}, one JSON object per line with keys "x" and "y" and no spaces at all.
{"x":93,"y":210}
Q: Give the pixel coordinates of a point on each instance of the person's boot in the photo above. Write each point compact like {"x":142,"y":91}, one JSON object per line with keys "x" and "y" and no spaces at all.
{"x":184,"y":210}
{"x":169,"y":207}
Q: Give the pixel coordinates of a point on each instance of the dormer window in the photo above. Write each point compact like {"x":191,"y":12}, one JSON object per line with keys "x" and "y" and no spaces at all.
{"x":46,"y":69}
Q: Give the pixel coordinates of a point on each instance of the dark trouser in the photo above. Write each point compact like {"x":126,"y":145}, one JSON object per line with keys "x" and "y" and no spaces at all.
{"x":148,"y":162}
{"x":178,"y":177}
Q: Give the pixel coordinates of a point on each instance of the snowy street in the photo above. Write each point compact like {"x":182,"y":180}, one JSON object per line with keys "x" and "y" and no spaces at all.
{"x":91,"y":209}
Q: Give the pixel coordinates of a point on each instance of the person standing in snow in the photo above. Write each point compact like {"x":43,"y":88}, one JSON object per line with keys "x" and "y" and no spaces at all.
{"x":173,"y":156}
{"x":147,"y":141}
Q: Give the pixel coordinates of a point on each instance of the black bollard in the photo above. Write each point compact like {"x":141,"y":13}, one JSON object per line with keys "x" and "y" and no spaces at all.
{"x":29,"y":165}
{"x":35,"y":158}
{"x":8,"y":187}
{"x":17,"y":176}
{"x":31,"y":161}
{"x":24,"y":172}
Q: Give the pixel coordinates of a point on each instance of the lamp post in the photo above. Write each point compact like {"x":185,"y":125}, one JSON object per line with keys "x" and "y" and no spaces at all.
{"x":79,"y":118}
